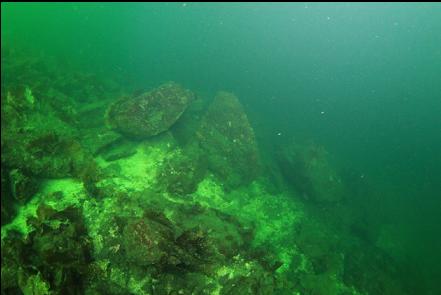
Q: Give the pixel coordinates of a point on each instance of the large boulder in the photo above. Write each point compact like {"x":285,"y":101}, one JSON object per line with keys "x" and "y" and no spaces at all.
{"x":150,"y":113}
{"x":227,"y":139}
{"x":307,"y":169}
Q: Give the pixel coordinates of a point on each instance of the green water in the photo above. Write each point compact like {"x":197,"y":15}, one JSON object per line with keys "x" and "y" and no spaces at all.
{"x":362,"y":81}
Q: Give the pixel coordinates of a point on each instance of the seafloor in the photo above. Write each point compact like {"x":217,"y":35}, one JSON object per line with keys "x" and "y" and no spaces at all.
{"x":165,"y":191}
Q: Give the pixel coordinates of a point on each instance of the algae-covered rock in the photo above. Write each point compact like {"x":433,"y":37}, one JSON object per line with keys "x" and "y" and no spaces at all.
{"x":53,"y":257}
{"x":256,"y":282}
{"x":147,"y":242}
{"x":37,"y":142}
{"x":154,"y":240}
{"x":228,"y":141}
{"x":181,"y":174}
{"x":150,"y":113}
{"x":307,"y":169}
{"x":45,"y":154}
{"x":22,"y":186}
{"x":34,"y":285}
{"x":229,"y":235}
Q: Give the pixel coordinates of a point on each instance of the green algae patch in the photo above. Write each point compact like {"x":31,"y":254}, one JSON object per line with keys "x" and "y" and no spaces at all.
{"x":19,"y":223}
{"x":59,"y":193}
{"x":274,"y":216}
{"x":138,"y":172}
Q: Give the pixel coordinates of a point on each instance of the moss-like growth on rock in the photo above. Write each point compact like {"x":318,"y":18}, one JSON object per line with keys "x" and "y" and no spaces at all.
{"x":147,"y":242}
{"x":23,"y":187}
{"x":181,"y":173}
{"x":227,"y":140}
{"x":52,"y":259}
{"x":150,"y":113}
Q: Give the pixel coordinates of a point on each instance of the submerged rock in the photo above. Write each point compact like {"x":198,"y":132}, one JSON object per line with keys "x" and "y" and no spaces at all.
{"x":147,"y":242}
{"x":36,"y":142}
{"x":53,"y":256}
{"x":119,"y":149}
{"x":150,"y":113}
{"x":22,"y":186}
{"x":227,"y":139}
{"x":307,"y":169}
{"x":45,"y":154}
{"x":181,"y":174}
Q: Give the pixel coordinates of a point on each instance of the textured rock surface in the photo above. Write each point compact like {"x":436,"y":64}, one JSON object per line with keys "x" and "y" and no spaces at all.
{"x":227,"y":139}
{"x":36,"y":141}
{"x":54,"y":256}
{"x":147,"y":242}
{"x":150,"y":113}
{"x":22,"y":186}
{"x":181,"y":174}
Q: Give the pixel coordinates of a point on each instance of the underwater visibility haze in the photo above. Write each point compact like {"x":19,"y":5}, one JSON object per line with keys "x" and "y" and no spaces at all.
{"x":221,"y":148}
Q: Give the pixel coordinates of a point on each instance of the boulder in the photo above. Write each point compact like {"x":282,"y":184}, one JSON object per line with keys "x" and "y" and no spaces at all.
{"x":147,"y":242}
{"x":227,"y":139}
{"x":307,"y":169}
{"x":181,"y":174}
{"x":150,"y":113}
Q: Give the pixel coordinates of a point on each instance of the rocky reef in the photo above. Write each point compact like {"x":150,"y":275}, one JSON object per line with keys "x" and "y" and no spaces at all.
{"x":173,"y":198}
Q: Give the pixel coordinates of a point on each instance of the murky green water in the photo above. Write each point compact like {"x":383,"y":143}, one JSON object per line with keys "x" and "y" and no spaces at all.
{"x":297,"y":152}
